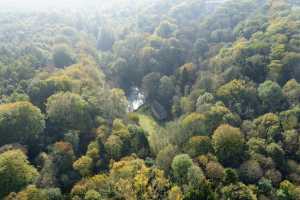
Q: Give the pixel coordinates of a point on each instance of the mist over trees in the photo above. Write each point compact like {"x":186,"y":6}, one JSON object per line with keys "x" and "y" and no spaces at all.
{"x":164,"y":99}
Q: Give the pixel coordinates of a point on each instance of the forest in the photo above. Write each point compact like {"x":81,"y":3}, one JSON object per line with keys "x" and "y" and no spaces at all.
{"x":151,"y":100}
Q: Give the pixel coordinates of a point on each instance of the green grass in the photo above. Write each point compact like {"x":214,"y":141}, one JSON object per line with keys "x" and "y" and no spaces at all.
{"x":148,"y":124}
{"x":154,"y":130}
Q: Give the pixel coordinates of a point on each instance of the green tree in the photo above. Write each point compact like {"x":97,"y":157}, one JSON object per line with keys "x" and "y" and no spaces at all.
{"x":105,"y":39}
{"x":271,"y":96}
{"x":240,"y":97}
{"x":230,"y":176}
{"x":175,"y":193}
{"x":277,"y":154}
{"x":268,"y":127}
{"x":68,"y":111}
{"x":92,"y":195}
{"x":198,"y":145}
{"x":166,"y":91}
{"x":195,"y":124}
{"x":287,"y":191}
{"x":180,"y":166}
{"x":83,"y":165}
{"x":215,"y":171}
{"x":195,"y":176}
{"x":250,"y":171}
{"x":165,"y":157}
{"x":228,"y":144}
{"x":292,"y":92}
{"x":40,"y":90}
{"x":15,"y":172}
{"x":33,"y":193}
{"x":265,"y":186}
{"x":238,"y":191}
{"x":205,"y":102}
{"x":20,"y":122}
{"x":150,"y":86}
{"x":114,"y":147}
{"x":63,"y":157}
{"x":165,"y":29}
{"x":200,"y":48}
{"x":62,"y":56}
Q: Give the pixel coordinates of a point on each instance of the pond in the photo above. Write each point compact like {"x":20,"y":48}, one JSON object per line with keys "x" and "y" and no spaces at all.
{"x":135,"y":98}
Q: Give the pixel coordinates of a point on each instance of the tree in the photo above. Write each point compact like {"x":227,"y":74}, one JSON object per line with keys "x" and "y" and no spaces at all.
{"x":271,"y":96}
{"x":33,"y":193}
{"x":291,"y":61}
{"x":185,"y":75}
{"x":268,"y":127}
{"x":205,"y":102}
{"x":195,"y":124}
{"x":150,"y":85}
{"x":265,"y":186}
{"x":200,"y":48}
{"x":63,"y":157}
{"x":275,"y":70}
{"x":238,"y":191}
{"x":166,"y":91}
{"x":240,"y":97}
{"x":214,"y":171}
{"x":198,"y":145}
{"x":92,"y":195}
{"x":292,"y":92}
{"x":195,"y":176}
{"x":175,"y":193}
{"x":287,"y":191}
{"x":228,"y":144}
{"x":40,"y":90}
{"x":180,"y":166}
{"x":230,"y":176}
{"x":20,"y":122}
{"x":62,"y":56}
{"x":165,"y":29}
{"x":250,"y":171}
{"x":277,"y":154}
{"x":68,"y":111}
{"x":83,"y":165}
{"x":105,"y":39}
{"x":114,"y":147}
{"x":15,"y":172}
{"x":165,"y":157}
{"x":219,"y":114}
{"x":203,"y":191}
{"x":139,"y":143}
{"x":291,"y":142}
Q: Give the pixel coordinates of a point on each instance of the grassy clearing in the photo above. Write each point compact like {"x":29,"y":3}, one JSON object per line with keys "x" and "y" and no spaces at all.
{"x":155,"y":132}
{"x":148,"y":124}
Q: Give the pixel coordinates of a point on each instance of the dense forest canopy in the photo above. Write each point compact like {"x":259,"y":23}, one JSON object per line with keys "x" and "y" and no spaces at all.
{"x":151,"y":99}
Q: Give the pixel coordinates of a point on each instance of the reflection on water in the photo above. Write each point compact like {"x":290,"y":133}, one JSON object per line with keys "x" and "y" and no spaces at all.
{"x":135,"y":98}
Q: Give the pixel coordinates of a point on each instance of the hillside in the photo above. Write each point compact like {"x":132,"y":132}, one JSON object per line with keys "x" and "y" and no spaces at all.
{"x":150,"y":100}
